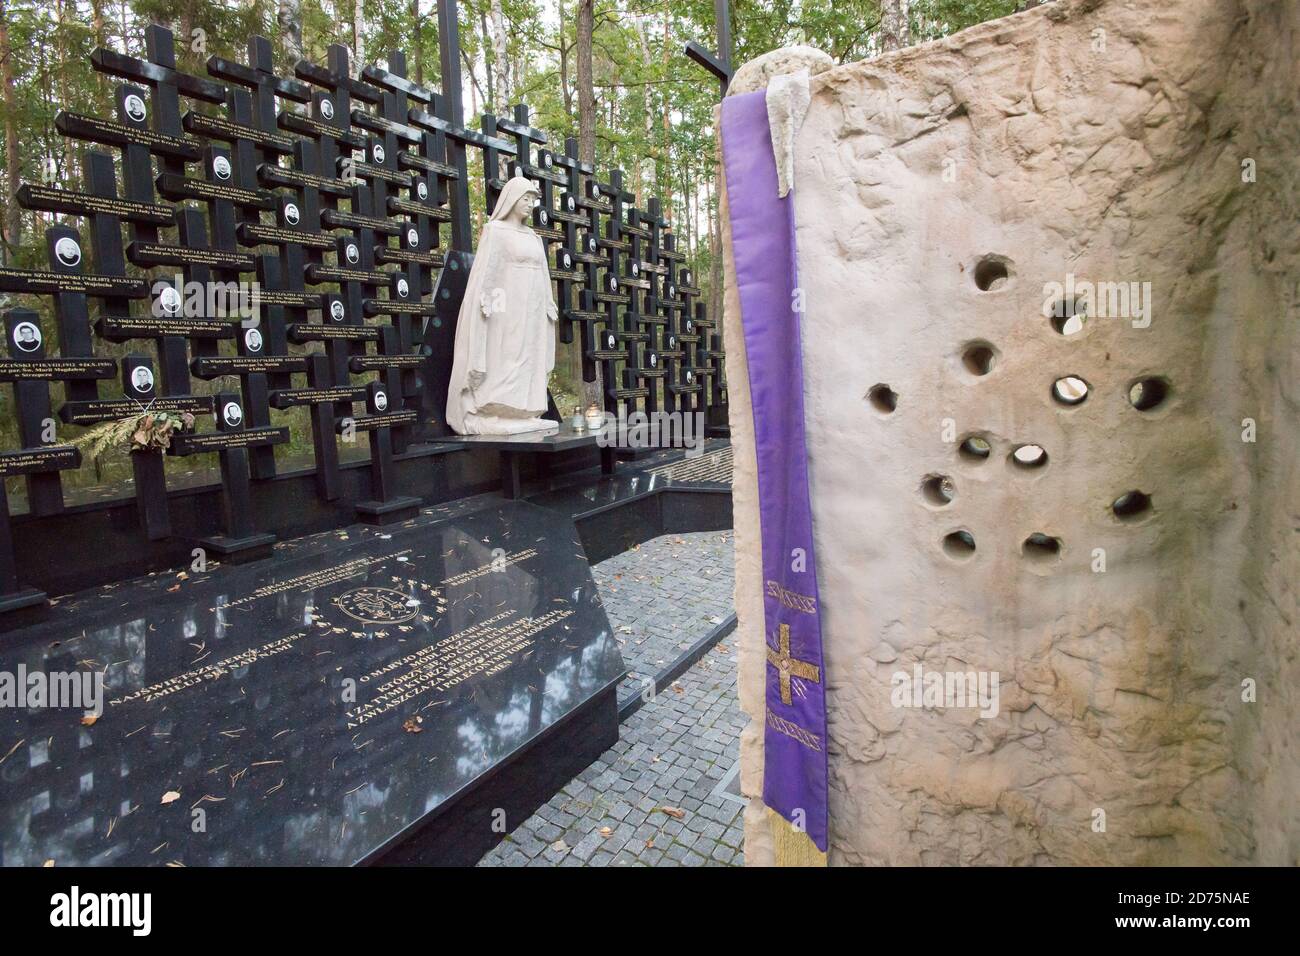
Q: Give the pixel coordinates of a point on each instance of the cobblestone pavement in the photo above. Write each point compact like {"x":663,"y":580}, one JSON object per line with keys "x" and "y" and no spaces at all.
{"x":663,"y":596}
{"x":660,"y":796}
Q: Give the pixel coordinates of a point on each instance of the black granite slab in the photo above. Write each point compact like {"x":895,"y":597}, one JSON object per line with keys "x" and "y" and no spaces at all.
{"x":560,"y":438}
{"x":482,"y":665}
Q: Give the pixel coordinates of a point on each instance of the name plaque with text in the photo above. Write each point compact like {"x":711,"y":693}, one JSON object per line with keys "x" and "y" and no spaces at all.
{"x":45,"y":281}
{"x":109,"y":409}
{"x":211,"y":366}
{"x":25,"y":461}
{"x":123,"y":328}
{"x":367,"y":423}
{"x":305,"y":332}
{"x":56,"y":369}
{"x":288,"y":397}
{"x":48,"y":199}
{"x":377,"y":363}
{"x":225,"y":441}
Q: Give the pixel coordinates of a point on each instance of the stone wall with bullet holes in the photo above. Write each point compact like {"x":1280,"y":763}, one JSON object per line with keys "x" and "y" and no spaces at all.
{"x":1050,"y":345}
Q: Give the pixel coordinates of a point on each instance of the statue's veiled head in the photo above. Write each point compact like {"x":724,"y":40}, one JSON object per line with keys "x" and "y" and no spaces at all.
{"x":516,"y":202}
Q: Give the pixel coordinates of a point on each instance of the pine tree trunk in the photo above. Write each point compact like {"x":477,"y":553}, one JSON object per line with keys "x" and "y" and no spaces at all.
{"x":13,"y":219}
{"x":417,"y":42}
{"x":586,"y":91}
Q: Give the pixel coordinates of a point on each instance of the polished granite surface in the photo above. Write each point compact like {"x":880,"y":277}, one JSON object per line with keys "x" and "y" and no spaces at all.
{"x":561,"y":437}
{"x":660,"y":471}
{"x":304,"y":709}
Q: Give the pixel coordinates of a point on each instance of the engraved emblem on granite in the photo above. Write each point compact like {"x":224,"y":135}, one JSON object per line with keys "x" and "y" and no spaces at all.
{"x":376,"y":605}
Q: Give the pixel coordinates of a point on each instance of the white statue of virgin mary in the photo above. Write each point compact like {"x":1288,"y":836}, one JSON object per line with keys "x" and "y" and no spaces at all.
{"x":505,"y":332}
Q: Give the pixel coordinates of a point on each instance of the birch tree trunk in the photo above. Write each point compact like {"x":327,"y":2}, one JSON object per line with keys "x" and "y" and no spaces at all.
{"x":893,"y":25}
{"x":288,"y":17}
{"x":358,"y":36}
{"x":500,"y":53}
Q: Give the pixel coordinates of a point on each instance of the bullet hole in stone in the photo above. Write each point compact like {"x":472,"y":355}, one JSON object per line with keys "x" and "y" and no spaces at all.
{"x":1131,"y":505}
{"x":1029,"y":456}
{"x":959,"y":545}
{"x":883,"y":399}
{"x":979,"y":358}
{"x":974,"y":448}
{"x":1148,"y":393}
{"x":991,"y":273}
{"x":938,"y":490}
{"x":1041,"y":548}
{"x":1068,"y":316}
{"x":1070,"y":390}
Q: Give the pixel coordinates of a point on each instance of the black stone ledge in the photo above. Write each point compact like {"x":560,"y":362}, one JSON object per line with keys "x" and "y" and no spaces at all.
{"x":685,"y":661}
{"x":101,"y":542}
{"x":459,"y":831}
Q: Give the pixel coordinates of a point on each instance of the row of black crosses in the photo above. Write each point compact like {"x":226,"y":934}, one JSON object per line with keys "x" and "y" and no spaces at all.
{"x":614,"y":269}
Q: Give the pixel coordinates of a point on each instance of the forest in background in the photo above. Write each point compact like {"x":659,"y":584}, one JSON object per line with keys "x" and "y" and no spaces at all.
{"x":610,"y":72}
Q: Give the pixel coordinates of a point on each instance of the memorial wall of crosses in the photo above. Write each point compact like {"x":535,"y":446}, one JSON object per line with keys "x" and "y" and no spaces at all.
{"x":343,"y":196}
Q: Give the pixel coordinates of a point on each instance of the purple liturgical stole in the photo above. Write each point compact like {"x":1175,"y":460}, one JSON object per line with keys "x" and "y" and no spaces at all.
{"x":762,"y":242}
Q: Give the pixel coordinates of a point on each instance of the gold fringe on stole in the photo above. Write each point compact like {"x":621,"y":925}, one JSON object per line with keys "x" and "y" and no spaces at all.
{"x":793,"y":847}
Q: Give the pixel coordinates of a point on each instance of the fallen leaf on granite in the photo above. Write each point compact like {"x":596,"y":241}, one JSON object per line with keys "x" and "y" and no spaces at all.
{"x":559,"y":846}
{"x":171,"y":796}
{"x":412,"y":725}
{"x":606,"y":831}
{"x":48,"y":863}
{"x":675,"y":812}
{"x":89,"y":720}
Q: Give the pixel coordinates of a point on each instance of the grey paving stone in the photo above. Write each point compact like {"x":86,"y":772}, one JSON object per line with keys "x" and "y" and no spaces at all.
{"x":673,"y":751}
